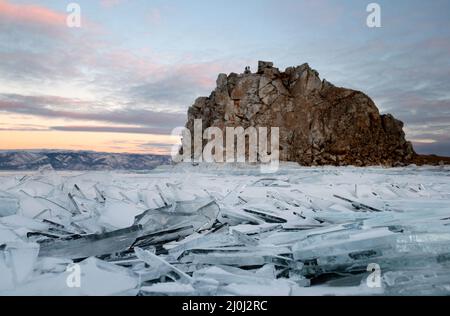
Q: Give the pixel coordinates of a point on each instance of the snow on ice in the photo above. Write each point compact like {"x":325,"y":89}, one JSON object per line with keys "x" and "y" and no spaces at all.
{"x":226,"y":230}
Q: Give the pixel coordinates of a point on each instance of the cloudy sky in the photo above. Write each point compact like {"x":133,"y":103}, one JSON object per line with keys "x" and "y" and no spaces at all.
{"x":124,"y":79}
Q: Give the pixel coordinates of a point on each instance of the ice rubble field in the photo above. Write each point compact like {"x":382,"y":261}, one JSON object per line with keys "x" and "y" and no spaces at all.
{"x":210,"y":230}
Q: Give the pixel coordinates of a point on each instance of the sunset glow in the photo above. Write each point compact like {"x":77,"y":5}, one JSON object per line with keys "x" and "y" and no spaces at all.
{"x":125,"y":79}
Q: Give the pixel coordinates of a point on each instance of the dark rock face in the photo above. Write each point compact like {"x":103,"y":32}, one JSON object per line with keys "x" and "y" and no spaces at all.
{"x":318,"y":123}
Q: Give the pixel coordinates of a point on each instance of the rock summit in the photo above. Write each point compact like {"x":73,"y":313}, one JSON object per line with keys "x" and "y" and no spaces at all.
{"x":319,"y":123}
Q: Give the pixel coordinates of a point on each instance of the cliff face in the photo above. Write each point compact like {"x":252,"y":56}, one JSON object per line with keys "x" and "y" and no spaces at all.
{"x":318,"y":122}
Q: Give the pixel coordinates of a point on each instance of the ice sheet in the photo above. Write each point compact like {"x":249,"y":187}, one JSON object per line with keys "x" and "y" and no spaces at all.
{"x":227,"y":230}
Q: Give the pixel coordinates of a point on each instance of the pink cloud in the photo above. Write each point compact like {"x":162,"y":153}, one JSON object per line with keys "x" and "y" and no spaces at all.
{"x":31,"y":14}
{"x":203,"y":74}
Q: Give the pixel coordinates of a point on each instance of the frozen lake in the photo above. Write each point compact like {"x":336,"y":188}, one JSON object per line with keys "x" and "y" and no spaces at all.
{"x":226,"y":230}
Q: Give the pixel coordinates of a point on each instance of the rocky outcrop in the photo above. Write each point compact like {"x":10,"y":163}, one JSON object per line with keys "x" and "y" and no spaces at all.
{"x":318,"y":122}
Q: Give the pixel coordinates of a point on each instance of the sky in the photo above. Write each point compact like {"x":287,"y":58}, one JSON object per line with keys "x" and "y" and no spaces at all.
{"x":124,"y":79}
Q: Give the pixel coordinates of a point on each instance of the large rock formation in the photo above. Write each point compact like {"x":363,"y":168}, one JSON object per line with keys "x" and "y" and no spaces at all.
{"x":319,"y":122}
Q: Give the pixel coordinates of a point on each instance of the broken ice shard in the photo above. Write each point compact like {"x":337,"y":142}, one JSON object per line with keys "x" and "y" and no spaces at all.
{"x":91,"y":245}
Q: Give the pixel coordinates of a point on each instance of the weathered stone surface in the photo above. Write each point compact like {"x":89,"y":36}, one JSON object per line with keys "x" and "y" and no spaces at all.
{"x":319,"y":122}
{"x":263,"y":65}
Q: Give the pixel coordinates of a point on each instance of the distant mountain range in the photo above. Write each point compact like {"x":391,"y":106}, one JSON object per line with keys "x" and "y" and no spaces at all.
{"x":79,"y":160}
